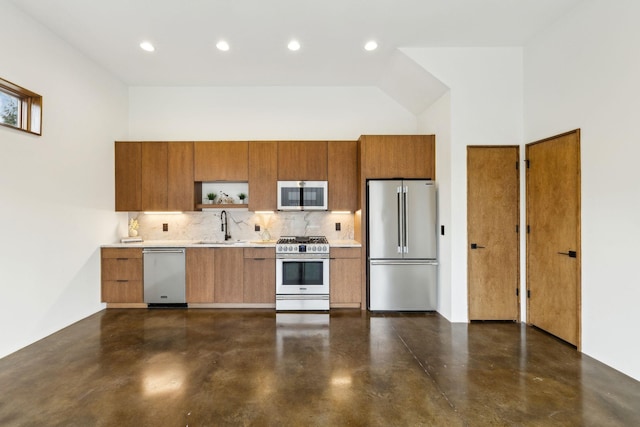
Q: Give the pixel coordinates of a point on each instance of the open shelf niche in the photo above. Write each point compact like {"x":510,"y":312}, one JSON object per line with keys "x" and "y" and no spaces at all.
{"x":231,"y":189}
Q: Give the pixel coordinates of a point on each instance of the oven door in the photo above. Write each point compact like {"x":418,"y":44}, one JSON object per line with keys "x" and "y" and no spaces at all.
{"x":302,"y":276}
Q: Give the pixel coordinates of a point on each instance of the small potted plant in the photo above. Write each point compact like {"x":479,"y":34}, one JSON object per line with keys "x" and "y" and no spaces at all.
{"x":211,"y":197}
{"x":242,"y":198}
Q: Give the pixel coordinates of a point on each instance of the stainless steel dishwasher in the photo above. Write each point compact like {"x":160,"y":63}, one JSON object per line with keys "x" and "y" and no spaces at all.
{"x":164,"y":277}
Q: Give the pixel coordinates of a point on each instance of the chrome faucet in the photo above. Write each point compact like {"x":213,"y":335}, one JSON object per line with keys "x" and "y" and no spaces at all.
{"x":225,"y":225}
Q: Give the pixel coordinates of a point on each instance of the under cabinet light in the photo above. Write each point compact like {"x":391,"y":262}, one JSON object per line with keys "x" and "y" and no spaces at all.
{"x":264,"y":212}
{"x":340,"y":212}
{"x":162,"y":213}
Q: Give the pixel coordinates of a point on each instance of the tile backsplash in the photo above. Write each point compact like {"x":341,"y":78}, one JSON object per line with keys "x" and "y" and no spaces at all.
{"x":206,"y":225}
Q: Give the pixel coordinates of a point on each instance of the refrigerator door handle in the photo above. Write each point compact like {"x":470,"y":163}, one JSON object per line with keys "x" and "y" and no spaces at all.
{"x":400,"y":219}
{"x":405,"y":228}
{"x":391,"y":262}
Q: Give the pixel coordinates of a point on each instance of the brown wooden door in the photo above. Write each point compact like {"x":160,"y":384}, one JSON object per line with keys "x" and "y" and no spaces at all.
{"x":493,"y":186}
{"x":553,"y":238}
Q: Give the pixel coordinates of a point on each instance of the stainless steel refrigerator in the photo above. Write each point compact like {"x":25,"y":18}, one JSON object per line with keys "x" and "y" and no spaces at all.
{"x":401,"y":245}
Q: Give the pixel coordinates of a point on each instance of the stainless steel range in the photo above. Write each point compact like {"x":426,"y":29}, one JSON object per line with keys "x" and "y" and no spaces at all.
{"x":302,"y":273}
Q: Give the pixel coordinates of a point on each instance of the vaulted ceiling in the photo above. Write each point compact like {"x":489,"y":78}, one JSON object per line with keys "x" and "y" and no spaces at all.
{"x":332,"y":34}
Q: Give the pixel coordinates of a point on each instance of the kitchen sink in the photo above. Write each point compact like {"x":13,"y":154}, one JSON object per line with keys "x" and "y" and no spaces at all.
{"x":221,"y":242}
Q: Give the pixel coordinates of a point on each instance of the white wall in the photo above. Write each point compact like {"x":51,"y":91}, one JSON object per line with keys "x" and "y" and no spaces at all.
{"x":258,"y":113}
{"x":436,"y":120}
{"x":57,"y":190}
{"x":583,"y":73}
{"x":486,"y":109}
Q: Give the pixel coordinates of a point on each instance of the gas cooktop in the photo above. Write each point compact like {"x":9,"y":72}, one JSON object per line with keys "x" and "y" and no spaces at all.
{"x":303,"y":239}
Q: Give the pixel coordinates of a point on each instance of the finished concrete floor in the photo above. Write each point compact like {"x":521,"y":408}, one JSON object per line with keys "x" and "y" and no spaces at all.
{"x":204,"y":367}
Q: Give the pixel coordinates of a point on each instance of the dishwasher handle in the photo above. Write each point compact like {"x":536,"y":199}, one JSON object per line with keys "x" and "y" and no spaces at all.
{"x":164,"y":251}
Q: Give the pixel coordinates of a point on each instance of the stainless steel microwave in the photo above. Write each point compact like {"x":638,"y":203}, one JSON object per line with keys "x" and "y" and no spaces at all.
{"x":302,"y":195}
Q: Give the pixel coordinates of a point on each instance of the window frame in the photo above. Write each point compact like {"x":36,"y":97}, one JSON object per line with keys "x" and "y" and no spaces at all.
{"x":29,"y":109}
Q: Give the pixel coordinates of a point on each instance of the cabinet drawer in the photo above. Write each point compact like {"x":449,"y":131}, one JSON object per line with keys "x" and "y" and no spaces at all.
{"x":259,"y":252}
{"x":122,"y":253}
{"x":345,"y":252}
{"x":122,"y":291}
{"x":121,"y":269}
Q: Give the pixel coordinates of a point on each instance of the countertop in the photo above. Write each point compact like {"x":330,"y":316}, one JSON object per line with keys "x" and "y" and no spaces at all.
{"x":227,"y":244}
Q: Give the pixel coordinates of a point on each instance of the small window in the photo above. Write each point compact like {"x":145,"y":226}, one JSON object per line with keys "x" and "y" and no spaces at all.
{"x":20,"y":108}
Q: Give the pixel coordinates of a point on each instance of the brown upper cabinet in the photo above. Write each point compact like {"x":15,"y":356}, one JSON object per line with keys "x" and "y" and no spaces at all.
{"x":405,"y":156}
{"x":342,"y":172}
{"x":128,"y":164}
{"x":263,"y":175}
{"x":154,"y":176}
{"x":221,"y":161}
{"x":180,"y":196}
{"x":302,"y":160}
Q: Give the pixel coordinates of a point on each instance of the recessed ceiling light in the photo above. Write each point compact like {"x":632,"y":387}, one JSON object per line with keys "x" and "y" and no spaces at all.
{"x":147,"y":46}
{"x":371,"y":45}
{"x":294,"y":45}
{"x":222,"y":45}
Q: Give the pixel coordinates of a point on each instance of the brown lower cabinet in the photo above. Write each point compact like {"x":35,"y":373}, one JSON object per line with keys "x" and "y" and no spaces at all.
{"x":200,"y":278}
{"x":345,"y":277}
{"x":259,"y":275}
{"x":121,"y":275}
{"x":214,"y":275}
{"x":226,"y":275}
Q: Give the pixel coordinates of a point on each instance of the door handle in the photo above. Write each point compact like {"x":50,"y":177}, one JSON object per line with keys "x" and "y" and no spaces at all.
{"x":400,"y":224}
{"x":570,"y":254}
{"x":476,"y":246}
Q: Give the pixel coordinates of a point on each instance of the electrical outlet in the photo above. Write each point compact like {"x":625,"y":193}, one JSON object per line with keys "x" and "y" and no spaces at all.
{"x":337,"y":226}
{"x":165,"y":227}
{"x":256,"y":227}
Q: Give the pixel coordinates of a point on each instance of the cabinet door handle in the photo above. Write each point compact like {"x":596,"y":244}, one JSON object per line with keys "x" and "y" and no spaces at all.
{"x":476,"y":246}
{"x":122,"y":259}
{"x":121,"y":281}
{"x":259,"y":259}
